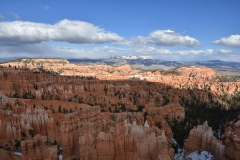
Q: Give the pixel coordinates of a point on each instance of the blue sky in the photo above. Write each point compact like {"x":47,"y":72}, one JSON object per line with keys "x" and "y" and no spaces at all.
{"x":185,"y":30}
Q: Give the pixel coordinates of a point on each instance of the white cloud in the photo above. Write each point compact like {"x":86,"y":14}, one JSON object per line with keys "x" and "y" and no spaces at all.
{"x":15,"y":15}
{"x":1,"y":16}
{"x":171,"y":38}
{"x":44,"y":49}
{"x":46,"y":7}
{"x":136,"y":41}
{"x":158,"y":53}
{"x":232,"y":41}
{"x":162,"y":38}
{"x":152,"y":51}
{"x":224,"y":51}
{"x":21,"y":32}
{"x":209,"y":52}
{"x":187,"y":52}
{"x":29,"y":39}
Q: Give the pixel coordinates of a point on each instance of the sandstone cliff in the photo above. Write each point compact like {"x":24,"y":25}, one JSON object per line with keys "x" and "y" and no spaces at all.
{"x":231,"y":139}
{"x":201,"y":138}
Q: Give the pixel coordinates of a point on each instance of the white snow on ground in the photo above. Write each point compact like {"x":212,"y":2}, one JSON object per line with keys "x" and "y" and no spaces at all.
{"x":17,"y":153}
{"x":179,"y":155}
{"x":195,"y":156}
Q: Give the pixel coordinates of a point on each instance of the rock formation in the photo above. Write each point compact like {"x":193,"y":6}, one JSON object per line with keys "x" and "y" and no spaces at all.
{"x":36,"y":148}
{"x":201,"y":138}
{"x":231,"y":139}
{"x":6,"y":155}
{"x":119,"y":140}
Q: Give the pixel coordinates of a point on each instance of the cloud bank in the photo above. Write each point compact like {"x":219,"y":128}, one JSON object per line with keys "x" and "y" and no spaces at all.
{"x":171,"y":38}
{"x":19,"y":32}
{"x":31,"y":39}
{"x":162,"y":38}
{"x":231,"y":41}
{"x":46,"y":50}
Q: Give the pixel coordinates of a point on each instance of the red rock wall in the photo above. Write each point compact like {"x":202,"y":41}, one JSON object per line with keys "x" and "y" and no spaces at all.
{"x":201,"y":138}
{"x":232,"y":141}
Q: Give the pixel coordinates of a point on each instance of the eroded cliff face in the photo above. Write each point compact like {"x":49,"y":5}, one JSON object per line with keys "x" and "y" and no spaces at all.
{"x":201,"y":138}
{"x":37,"y":148}
{"x":228,"y":148}
{"x":231,"y":140}
{"x":84,"y":134}
{"x":36,"y":121}
{"x":98,"y":137}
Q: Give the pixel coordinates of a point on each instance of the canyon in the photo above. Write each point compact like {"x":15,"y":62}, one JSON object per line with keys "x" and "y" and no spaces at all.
{"x":50,"y":107}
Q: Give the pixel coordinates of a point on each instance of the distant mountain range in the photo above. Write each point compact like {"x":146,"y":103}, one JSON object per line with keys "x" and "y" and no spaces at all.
{"x":148,"y":63}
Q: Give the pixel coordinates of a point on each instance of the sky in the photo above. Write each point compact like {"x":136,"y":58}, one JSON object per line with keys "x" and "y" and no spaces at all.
{"x":175,"y":30}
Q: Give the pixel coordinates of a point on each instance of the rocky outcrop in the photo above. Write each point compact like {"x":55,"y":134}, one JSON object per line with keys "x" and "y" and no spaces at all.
{"x":201,"y":138}
{"x":36,"y":148}
{"x":105,"y":139}
{"x":6,"y":155}
{"x":197,"y":71}
{"x":231,"y":139}
{"x":173,"y":111}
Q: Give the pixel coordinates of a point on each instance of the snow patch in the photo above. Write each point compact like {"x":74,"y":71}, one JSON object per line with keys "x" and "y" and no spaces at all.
{"x":179,"y":155}
{"x":204,"y":155}
{"x":17,"y":153}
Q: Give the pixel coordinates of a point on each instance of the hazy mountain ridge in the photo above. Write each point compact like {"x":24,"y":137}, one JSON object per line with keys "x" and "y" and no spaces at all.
{"x":222,"y":67}
{"x":149,"y":61}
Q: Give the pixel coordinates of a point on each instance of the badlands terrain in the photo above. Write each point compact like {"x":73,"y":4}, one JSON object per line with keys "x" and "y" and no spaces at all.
{"x":54,"y":109}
